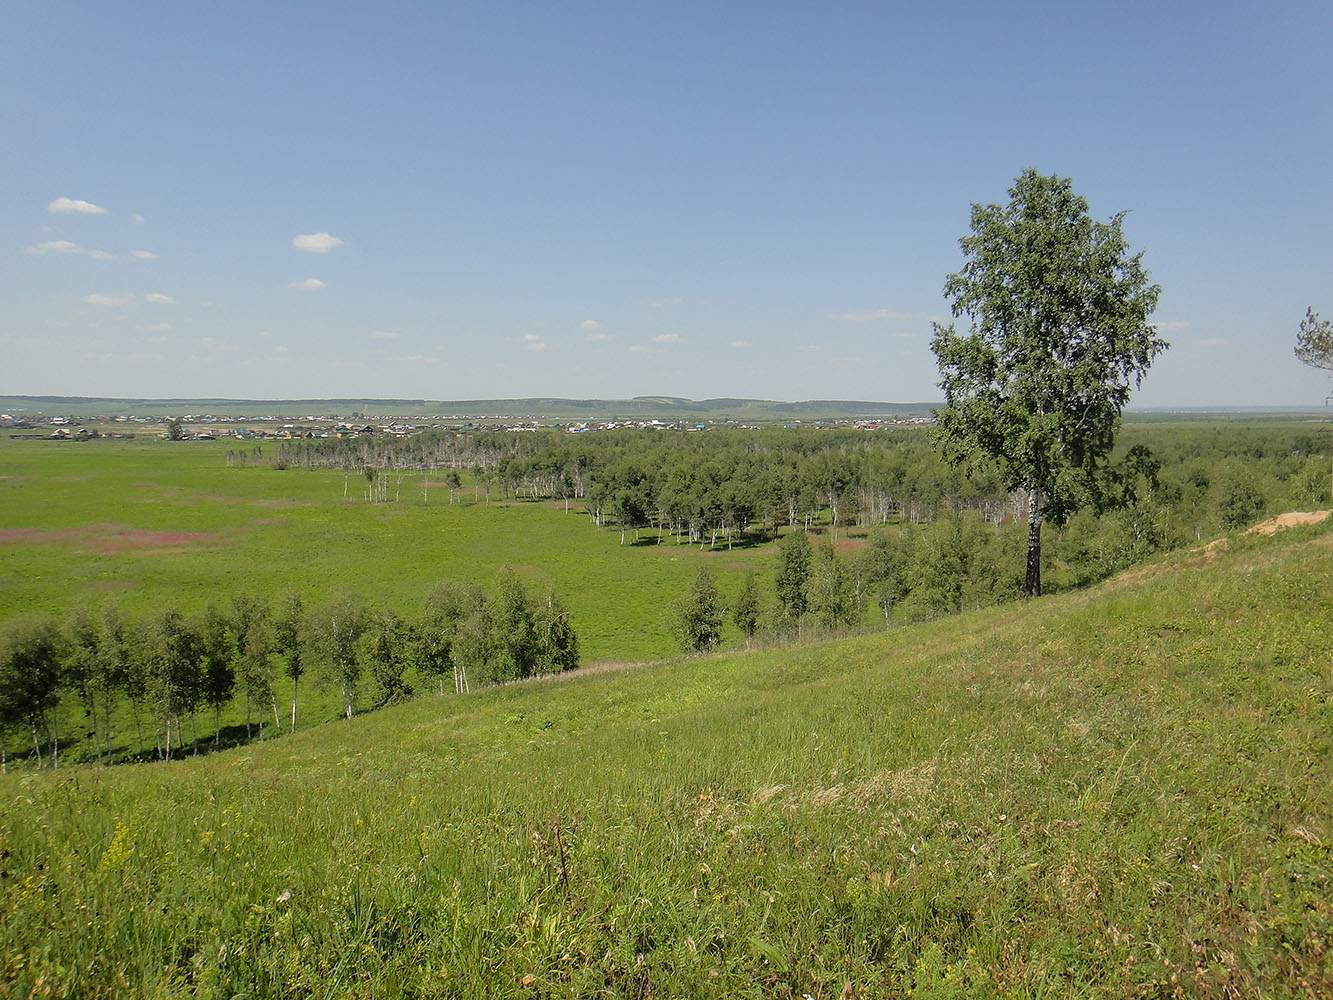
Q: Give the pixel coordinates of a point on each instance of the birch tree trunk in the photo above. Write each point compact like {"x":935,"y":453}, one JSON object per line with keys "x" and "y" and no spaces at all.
{"x":1032,"y":579}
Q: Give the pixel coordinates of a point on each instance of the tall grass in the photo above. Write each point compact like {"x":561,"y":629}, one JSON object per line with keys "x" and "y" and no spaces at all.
{"x":1121,"y":792}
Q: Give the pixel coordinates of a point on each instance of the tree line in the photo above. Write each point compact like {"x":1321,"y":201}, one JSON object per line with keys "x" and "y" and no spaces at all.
{"x":167,"y":669}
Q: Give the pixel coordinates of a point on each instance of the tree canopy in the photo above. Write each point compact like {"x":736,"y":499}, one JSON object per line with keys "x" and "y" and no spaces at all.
{"x":1314,"y":341}
{"x":1058,"y":310}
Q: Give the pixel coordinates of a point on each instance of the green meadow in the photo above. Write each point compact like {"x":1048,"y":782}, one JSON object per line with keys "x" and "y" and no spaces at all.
{"x":148,"y":522}
{"x":1118,"y":792}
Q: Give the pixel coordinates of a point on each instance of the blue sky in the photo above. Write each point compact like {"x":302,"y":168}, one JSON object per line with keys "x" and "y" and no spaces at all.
{"x":574,"y":199}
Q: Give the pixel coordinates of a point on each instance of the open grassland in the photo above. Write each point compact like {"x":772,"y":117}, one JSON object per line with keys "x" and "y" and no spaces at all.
{"x":1119,"y":792}
{"x":152,"y":523}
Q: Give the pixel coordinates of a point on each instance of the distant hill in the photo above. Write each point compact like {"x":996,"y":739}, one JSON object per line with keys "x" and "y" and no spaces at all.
{"x":553,"y":408}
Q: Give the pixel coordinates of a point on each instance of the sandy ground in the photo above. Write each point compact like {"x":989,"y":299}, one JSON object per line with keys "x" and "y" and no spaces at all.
{"x":1294,"y":519}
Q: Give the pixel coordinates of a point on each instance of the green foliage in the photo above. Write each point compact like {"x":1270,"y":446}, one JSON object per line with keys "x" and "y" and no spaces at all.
{"x":1240,"y":499}
{"x":557,"y":642}
{"x":513,"y":635}
{"x":389,"y":642}
{"x":1059,"y":334}
{"x":793,"y":574}
{"x":830,"y":590}
{"x":170,"y":649}
{"x":342,"y":624}
{"x":745,"y":608}
{"x":219,"y":653}
{"x":30,"y":676}
{"x":699,"y":614}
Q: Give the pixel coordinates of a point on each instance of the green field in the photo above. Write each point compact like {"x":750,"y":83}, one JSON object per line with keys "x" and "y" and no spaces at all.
{"x":1117,"y":792}
{"x":147,"y":522}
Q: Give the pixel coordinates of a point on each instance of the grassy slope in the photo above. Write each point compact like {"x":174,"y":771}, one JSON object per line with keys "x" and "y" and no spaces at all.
{"x":1115,"y":793}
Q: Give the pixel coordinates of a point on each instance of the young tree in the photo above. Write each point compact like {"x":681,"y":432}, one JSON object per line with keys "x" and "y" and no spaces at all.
{"x":884,"y":561}
{"x":745,"y":609}
{"x":254,"y":668}
{"x":830,"y":590}
{"x":113,"y":666}
{"x":172,"y":655}
{"x":344,"y":622}
{"x":1059,"y":309}
{"x":289,"y":643}
{"x":390,"y":639}
{"x":557,"y":643}
{"x":513,"y":644}
{"x":82,"y":668}
{"x":446,"y":606}
{"x":219,"y":655}
{"x":699,"y":615}
{"x":30,"y":679}
{"x":793,"y":572}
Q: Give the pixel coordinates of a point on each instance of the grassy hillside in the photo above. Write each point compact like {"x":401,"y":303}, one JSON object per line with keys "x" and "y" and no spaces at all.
{"x":1123,"y":792}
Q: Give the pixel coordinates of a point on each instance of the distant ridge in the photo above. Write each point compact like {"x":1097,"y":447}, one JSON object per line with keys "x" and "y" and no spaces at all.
{"x":556,"y":408}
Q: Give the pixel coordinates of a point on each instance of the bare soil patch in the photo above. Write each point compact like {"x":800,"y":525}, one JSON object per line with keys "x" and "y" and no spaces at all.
{"x":110,"y":538}
{"x":1292,"y":519}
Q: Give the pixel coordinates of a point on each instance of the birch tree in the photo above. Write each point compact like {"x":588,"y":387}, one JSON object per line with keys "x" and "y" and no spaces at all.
{"x":30,"y":681}
{"x":344,"y":622}
{"x":218,"y":649}
{"x":1058,"y":310}
{"x":289,"y":642}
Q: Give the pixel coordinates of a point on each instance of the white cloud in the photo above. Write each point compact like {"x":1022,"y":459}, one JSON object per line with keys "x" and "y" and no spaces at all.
{"x":143,"y":255}
{"x":637,"y":348}
{"x":600,"y":338}
{"x":98,"y":299}
{"x":159,"y":327}
{"x":159,"y":299}
{"x":307,"y":285}
{"x":317,"y":242}
{"x":415,"y":359}
{"x":590,"y":324}
{"x":1210,"y":342}
{"x":65,"y":205}
{"x":533,"y":342}
{"x":65,"y":246}
{"x":1173,"y":324}
{"x":54,"y":246}
{"x":384,"y":334}
{"x":265,"y":333}
{"x":531,"y":338}
{"x":667,"y":338}
{"x":663,"y":303}
{"x":738,"y":344}
{"x":136,"y":219}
